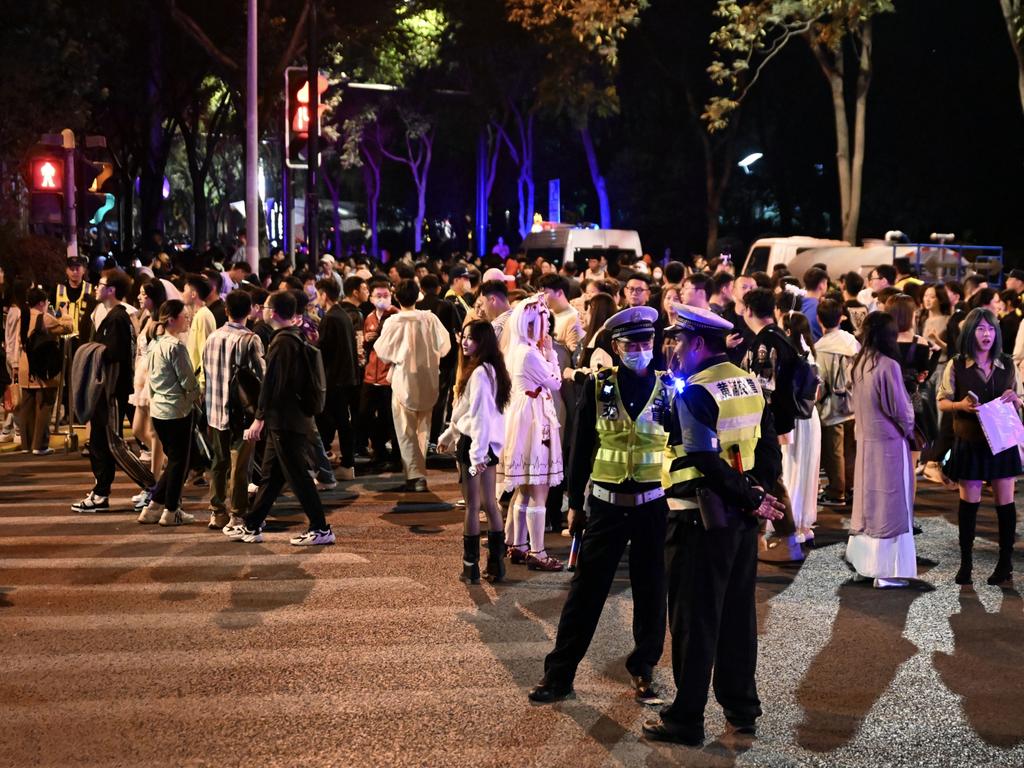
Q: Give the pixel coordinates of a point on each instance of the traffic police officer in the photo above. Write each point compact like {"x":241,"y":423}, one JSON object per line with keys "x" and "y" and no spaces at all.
{"x":722,"y":452}
{"x":618,"y":445}
{"x":74,"y":296}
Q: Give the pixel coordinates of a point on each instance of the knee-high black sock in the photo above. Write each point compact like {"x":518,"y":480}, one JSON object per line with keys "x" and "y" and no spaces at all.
{"x":967,"y":520}
{"x":1006,"y":514}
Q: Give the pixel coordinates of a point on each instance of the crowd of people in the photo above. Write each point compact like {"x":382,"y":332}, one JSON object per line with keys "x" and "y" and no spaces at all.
{"x":700,"y":415}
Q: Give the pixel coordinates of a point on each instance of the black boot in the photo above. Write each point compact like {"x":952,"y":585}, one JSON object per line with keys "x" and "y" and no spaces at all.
{"x":495,"y":557}
{"x":470,"y":559}
{"x":1007,"y":517}
{"x":967,"y":519}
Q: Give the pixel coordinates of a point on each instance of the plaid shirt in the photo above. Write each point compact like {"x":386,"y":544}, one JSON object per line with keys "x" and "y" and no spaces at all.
{"x":230,"y":345}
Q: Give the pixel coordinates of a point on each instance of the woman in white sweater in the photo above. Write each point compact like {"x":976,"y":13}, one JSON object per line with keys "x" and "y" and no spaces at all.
{"x":478,"y":433}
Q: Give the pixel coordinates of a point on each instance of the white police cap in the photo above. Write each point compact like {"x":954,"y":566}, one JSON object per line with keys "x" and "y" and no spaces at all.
{"x":632,"y":322}
{"x":697,"y":320}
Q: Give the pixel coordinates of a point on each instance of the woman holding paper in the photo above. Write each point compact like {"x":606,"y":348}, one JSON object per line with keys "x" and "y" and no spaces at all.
{"x":979,"y":375}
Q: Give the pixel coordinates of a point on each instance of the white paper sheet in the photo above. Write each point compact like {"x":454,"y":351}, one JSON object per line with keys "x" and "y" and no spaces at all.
{"x":1001,"y":424}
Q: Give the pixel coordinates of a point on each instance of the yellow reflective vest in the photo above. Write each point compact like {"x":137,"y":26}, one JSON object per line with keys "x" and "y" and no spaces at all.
{"x":627,"y":449}
{"x":740,"y":405}
{"x":72,"y":309}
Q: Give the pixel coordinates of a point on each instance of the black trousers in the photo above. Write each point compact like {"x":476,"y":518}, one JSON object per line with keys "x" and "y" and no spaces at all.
{"x":101,"y":460}
{"x":445,"y":382}
{"x":176,"y":437}
{"x":284,"y":460}
{"x":378,"y":422}
{"x":609,"y":528}
{"x":341,"y":415}
{"x":712,"y":615}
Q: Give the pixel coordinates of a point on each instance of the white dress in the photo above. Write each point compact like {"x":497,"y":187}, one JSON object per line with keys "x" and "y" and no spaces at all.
{"x":533,"y":447}
{"x":801,"y":461}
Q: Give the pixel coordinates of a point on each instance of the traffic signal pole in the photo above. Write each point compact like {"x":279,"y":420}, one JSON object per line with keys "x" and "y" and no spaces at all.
{"x":252,"y":162}
{"x":313,"y":174}
{"x":70,"y":215}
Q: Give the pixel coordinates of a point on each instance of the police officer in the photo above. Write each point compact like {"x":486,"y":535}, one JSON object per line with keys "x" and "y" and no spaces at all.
{"x":722,"y":452}
{"x":74,"y":296}
{"x":619,"y":443}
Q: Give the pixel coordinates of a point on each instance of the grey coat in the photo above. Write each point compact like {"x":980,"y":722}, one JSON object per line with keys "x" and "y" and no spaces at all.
{"x":883,"y":472}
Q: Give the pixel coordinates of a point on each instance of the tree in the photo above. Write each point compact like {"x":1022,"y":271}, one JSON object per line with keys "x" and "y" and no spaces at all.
{"x":359,"y":150}
{"x":582,"y":39}
{"x":1013,"y":15}
{"x":416,"y":153}
{"x":752,"y":35}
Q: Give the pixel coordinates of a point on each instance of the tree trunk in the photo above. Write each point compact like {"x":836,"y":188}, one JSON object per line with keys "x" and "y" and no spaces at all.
{"x":596,"y":176}
{"x":852,"y":220}
{"x":1011,"y":10}
{"x":420,"y":175}
{"x":833,"y":70}
{"x":371,"y":180}
{"x":335,"y":193}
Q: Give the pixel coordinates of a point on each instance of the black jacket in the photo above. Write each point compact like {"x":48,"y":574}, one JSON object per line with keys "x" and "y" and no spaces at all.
{"x":286,"y":371}
{"x":338,"y":348}
{"x":446,"y":313}
{"x":772,"y":358}
{"x":117,"y":334}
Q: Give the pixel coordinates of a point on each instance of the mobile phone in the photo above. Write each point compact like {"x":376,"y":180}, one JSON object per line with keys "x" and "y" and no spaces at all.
{"x":973,"y":396}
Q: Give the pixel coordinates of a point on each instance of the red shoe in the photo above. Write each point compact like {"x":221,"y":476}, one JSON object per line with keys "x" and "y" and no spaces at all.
{"x":516,"y":556}
{"x":547,"y":563}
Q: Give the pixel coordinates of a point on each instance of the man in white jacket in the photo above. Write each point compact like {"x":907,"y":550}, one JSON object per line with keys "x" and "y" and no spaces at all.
{"x":834,"y":352}
{"x":413,"y":341}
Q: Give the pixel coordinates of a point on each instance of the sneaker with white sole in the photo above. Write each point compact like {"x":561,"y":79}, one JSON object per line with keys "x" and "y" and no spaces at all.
{"x":234,"y":531}
{"x":322,"y":486}
{"x":91,"y":503}
{"x":251,"y":537}
{"x":313,"y":538}
{"x":151,"y":514}
{"x":252,"y":488}
{"x":43,"y":451}
{"x":218,"y":521}
{"x":6,"y":437}
{"x":176,"y":517}
{"x":141,"y":500}
{"x":145,"y":456}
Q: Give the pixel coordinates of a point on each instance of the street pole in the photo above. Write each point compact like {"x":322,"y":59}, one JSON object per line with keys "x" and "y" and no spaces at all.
{"x":313,"y":144}
{"x":481,"y":193}
{"x":252,"y":160}
{"x":286,"y":200}
{"x":71,"y":216}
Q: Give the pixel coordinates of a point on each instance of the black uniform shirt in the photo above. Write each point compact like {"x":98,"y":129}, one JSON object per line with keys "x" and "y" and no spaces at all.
{"x":635,"y":392}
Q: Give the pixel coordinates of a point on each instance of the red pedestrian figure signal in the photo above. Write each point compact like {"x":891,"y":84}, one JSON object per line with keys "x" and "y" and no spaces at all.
{"x":298,"y":120}
{"x":47,"y":175}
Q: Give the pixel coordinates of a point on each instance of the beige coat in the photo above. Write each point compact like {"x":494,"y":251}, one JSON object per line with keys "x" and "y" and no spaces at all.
{"x":414,"y":341}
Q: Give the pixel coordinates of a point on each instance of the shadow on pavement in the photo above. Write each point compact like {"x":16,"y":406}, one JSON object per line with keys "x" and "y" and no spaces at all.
{"x":856,"y":666}
{"x":988,"y":648}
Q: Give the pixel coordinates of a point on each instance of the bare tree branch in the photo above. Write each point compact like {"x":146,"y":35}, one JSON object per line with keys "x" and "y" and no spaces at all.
{"x":190,"y":26}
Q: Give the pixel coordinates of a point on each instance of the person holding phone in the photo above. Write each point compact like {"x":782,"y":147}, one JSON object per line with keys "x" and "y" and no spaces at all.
{"x":978,"y":375}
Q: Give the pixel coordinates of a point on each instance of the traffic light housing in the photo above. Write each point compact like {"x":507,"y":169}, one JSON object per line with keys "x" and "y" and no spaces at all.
{"x":297,"y":114}
{"x":91,"y":178}
{"x":44,"y":177}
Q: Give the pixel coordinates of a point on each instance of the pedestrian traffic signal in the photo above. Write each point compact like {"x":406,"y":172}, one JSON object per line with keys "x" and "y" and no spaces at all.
{"x":47,"y":174}
{"x":297,"y":114}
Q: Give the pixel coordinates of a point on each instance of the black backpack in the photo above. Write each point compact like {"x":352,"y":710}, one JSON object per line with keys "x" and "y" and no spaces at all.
{"x":243,"y":393}
{"x":805,"y":382}
{"x":43,"y":351}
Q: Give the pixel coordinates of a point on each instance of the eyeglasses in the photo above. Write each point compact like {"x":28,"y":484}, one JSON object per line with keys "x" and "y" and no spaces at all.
{"x":636,"y":289}
{"x":101,"y":285}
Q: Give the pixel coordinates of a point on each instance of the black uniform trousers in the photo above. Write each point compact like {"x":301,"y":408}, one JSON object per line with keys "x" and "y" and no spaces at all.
{"x":609,"y":528}
{"x":284,"y":461}
{"x":713,"y":618}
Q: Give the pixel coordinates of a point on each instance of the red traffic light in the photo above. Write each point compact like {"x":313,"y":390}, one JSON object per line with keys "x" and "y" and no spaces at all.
{"x":47,"y":174}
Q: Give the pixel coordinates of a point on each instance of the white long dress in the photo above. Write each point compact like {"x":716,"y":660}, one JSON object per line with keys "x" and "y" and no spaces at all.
{"x":801,"y":461}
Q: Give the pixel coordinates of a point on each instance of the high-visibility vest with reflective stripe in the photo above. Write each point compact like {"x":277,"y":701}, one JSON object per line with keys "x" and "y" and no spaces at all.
{"x":627,"y":449}
{"x":73,"y":309}
{"x":740,"y":405}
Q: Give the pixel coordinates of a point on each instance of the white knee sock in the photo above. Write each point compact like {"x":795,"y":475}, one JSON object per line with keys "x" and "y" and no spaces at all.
{"x":536,"y":517}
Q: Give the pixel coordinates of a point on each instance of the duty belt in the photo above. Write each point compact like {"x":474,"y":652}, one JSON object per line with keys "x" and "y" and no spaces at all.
{"x":626,"y":499}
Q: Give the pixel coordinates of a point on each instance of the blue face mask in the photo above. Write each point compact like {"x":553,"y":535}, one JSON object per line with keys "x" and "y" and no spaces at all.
{"x":637,"y":361}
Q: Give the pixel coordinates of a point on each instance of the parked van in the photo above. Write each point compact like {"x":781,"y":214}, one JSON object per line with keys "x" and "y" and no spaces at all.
{"x":564,"y":243}
{"x":765,"y":253}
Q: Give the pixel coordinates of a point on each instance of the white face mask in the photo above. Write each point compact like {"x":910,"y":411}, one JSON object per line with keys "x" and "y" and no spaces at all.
{"x":638,"y":361}
{"x":382,"y":303}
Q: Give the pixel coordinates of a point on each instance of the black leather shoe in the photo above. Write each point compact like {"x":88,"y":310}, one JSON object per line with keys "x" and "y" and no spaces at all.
{"x":659,"y":730}
{"x":644,"y":691}
{"x":743,"y":727}
{"x":548,"y":693}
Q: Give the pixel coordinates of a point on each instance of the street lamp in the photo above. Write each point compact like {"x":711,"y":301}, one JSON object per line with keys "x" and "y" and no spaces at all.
{"x":749,"y":160}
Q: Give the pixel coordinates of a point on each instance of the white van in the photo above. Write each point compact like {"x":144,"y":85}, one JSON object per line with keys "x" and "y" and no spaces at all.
{"x":563,"y":243}
{"x":765,"y":253}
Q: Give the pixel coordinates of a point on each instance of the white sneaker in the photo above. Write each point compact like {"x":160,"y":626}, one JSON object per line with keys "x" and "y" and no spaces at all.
{"x":313,"y":538}
{"x":252,"y":488}
{"x":43,"y":451}
{"x":251,"y":537}
{"x":321,"y":486}
{"x":234,"y":531}
{"x":890,"y":583}
{"x":91,"y":503}
{"x":152,"y":514}
{"x":176,"y":517}
{"x":140,"y":497}
{"x":345,"y":473}
{"x":145,"y":457}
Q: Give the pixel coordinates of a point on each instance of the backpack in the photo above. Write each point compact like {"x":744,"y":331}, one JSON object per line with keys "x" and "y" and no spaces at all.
{"x":805,"y":387}
{"x":839,"y":388}
{"x":313,"y":390}
{"x":43,"y":351}
{"x":243,"y":393}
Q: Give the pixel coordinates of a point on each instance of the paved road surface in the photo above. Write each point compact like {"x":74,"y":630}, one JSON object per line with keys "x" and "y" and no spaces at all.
{"x":136,"y":645}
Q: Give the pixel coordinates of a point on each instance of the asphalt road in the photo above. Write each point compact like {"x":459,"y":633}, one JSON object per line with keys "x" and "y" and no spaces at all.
{"x":137,"y":645}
